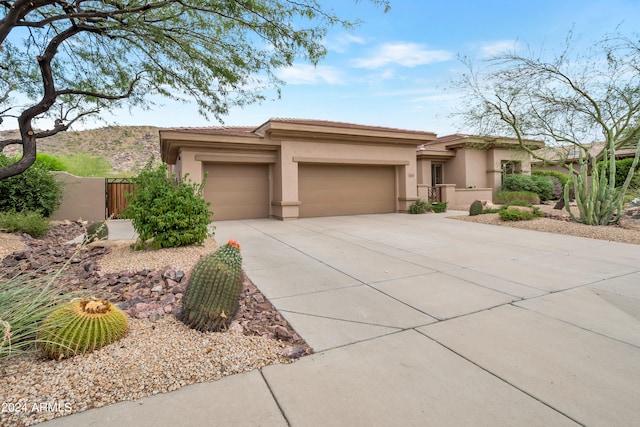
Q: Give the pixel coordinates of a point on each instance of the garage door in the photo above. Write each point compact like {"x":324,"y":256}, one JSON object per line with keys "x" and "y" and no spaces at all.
{"x":237,"y":191}
{"x":327,"y":190}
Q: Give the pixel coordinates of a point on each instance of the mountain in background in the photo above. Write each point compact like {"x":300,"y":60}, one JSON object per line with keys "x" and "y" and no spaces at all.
{"x":127,"y":148}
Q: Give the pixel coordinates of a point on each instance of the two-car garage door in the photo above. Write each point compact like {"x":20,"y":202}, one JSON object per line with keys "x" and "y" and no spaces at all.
{"x":326,"y":190}
{"x":241,"y":191}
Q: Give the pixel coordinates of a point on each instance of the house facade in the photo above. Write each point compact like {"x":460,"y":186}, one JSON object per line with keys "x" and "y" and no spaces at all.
{"x":290,"y":169}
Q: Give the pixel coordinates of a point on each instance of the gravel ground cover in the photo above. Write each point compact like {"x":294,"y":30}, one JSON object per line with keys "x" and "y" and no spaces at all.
{"x":559,"y":226}
{"x":159,"y":354}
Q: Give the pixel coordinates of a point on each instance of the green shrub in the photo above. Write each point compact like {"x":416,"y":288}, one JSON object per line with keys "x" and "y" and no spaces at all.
{"x":439,"y":207}
{"x":34,"y":190}
{"x":513,"y":214}
{"x":622,"y":169}
{"x":540,"y":185}
{"x":419,"y":207}
{"x":512,"y":196}
{"x":562,"y":177}
{"x":172,"y":214}
{"x":81,"y":164}
{"x":31,"y":223}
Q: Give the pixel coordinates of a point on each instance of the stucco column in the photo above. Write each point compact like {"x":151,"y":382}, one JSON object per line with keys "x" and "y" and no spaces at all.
{"x":287,"y":206}
{"x":447,"y":193}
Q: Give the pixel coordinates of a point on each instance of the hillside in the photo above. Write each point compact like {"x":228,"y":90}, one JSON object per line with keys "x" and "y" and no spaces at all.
{"x":128,"y":148}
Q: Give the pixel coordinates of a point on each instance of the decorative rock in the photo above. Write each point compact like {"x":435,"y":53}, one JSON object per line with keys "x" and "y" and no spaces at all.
{"x":157,"y":288}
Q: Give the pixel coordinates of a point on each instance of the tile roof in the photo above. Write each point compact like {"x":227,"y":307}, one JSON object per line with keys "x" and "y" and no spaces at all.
{"x":341,"y":125}
{"x":218,"y":130}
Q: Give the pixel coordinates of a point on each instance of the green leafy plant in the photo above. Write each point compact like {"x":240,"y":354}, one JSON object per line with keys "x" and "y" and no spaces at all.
{"x":622,"y":170}
{"x":26,"y":299}
{"x":514,"y":214}
{"x":475,"y":208}
{"x":31,"y":223}
{"x":439,"y":207}
{"x":34,"y":190}
{"x":168,"y":213}
{"x":80,"y":327}
{"x":419,"y":207}
{"x":562,"y":177}
{"x":213,"y":292}
{"x":512,"y":196}
{"x":541,"y":185}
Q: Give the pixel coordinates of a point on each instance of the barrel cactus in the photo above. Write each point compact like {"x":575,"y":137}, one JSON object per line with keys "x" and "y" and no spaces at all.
{"x":213,"y":292}
{"x":81,"y":326}
{"x":475,"y":208}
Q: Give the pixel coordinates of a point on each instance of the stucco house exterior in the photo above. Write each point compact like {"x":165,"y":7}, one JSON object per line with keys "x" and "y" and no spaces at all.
{"x":473,"y":165}
{"x":291,"y":168}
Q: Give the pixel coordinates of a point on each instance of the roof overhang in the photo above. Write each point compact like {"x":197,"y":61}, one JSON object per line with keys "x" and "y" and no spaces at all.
{"x":276,"y":129}
{"x":174,"y":140}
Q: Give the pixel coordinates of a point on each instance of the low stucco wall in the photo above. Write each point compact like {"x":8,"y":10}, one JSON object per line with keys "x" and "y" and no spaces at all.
{"x":466,"y":196}
{"x":83,"y":198}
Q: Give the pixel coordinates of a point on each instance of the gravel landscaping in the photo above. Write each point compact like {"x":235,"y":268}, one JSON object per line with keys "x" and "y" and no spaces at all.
{"x":559,"y":223}
{"x":159,"y":354}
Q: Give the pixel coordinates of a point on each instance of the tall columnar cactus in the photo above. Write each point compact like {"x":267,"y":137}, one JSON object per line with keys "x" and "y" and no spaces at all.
{"x":80,"y":327}
{"x":475,"y":208}
{"x":213,"y":292}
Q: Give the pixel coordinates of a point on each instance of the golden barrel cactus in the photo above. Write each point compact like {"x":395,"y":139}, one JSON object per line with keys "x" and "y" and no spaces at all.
{"x":80,"y":327}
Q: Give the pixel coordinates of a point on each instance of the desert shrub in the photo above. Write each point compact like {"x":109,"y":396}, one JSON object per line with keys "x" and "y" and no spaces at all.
{"x":34,"y":190}
{"x":541,"y":185}
{"x":31,"y":223}
{"x":562,"y":177}
{"x":622,"y":169}
{"x":81,"y":164}
{"x":513,"y":214}
{"x":171,"y":213}
{"x":512,"y":196}
{"x":419,"y":207}
{"x":439,"y":207}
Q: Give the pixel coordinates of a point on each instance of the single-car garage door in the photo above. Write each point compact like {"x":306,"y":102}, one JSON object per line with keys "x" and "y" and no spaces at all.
{"x":327,"y":190}
{"x":237,"y":191}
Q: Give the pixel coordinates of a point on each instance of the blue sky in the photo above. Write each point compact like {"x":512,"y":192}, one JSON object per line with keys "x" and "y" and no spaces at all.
{"x":396,"y":68}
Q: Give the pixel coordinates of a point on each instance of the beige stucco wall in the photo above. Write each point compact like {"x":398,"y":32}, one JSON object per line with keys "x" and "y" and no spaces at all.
{"x":455,"y":170}
{"x":83,"y":198}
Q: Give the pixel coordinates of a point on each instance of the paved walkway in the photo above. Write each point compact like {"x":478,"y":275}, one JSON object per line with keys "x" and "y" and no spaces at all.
{"x":423,"y":320}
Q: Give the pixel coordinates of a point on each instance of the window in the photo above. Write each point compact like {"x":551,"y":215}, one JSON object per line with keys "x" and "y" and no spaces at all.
{"x":436,"y":174}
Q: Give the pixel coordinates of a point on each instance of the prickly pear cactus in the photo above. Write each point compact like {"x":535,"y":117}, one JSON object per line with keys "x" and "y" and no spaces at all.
{"x":80,"y":327}
{"x":213,"y":292}
{"x":475,"y":208}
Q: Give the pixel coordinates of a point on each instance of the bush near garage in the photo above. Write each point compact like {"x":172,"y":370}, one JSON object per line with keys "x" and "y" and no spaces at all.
{"x":166,"y":212}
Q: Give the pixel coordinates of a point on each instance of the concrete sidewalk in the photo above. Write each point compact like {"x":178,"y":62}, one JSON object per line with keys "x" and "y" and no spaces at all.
{"x":423,"y":320}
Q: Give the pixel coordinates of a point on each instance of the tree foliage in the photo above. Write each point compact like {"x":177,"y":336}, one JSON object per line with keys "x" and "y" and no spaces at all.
{"x":73,"y":58}
{"x":570,"y":101}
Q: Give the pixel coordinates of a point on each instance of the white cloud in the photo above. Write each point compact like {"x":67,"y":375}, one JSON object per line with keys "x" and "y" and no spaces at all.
{"x":305,"y":74}
{"x":341,"y":43}
{"x":403,"y":54}
{"x":488,"y":50}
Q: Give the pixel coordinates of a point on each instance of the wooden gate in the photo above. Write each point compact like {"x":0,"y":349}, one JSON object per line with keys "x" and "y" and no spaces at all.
{"x":115,"y":190}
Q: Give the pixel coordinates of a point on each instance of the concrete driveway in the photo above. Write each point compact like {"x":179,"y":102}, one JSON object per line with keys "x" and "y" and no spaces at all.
{"x":427,"y":321}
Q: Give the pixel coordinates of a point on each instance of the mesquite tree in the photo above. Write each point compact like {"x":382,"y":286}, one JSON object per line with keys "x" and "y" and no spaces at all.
{"x":67,"y":59}
{"x":570,"y":102}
